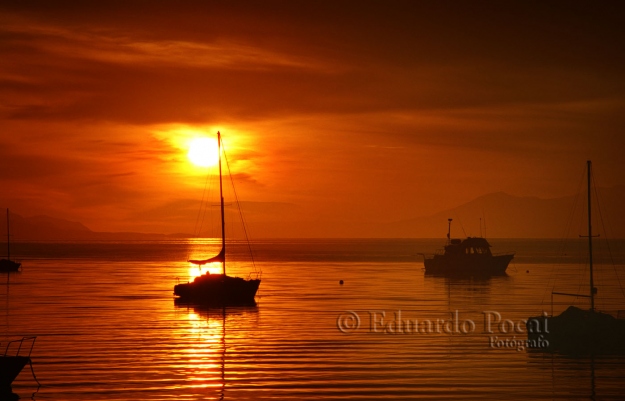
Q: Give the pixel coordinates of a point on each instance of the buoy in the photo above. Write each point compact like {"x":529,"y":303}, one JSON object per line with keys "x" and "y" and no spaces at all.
{"x":341,"y":282}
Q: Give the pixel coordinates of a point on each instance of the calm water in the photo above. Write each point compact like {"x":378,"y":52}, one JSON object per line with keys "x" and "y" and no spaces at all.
{"x":107,"y":327}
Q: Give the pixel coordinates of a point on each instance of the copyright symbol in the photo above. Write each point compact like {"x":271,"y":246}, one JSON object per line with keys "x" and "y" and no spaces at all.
{"x":348,"y":322}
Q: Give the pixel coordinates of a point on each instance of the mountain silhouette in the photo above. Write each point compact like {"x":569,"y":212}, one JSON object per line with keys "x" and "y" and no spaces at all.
{"x":495,"y":215}
{"x":46,"y":228}
{"x":500,"y":215}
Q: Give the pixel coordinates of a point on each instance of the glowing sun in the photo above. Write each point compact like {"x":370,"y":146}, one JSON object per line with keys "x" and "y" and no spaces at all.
{"x":203,"y":152}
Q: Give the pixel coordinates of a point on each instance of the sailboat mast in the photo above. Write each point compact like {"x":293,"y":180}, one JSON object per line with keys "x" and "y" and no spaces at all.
{"x":8,"y":237}
{"x":221,"y":197}
{"x":592,"y":284}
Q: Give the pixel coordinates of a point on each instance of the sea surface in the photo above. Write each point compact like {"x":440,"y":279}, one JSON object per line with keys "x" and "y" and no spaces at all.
{"x":108,"y":328}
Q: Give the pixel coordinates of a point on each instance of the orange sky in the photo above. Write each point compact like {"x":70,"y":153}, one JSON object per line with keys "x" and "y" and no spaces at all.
{"x":332,"y":114}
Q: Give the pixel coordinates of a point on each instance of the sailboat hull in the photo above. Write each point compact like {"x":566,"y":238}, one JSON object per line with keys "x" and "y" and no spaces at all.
{"x":7,"y":265}
{"x":219,"y":290}
{"x":577,"y":332}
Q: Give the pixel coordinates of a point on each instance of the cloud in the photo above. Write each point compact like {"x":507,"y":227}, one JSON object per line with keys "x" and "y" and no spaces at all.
{"x":348,"y":113}
{"x":106,"y":66}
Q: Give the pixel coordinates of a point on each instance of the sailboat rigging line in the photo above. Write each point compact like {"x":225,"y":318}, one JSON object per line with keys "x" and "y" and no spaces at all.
{"x":236,"y":198}
{"x":201,"y":214}
{"x":564,"y":240}
{"x":208,"y":205}
{"x":33,"y":372}
{"x":605,"y":230}
{"x":201,"y":211}
{"x":461,"y":226}
{"x":483,"y":220}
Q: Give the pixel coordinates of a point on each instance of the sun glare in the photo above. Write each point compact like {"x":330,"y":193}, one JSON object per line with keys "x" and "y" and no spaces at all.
{"x":203,"y":151}
{"x":196,"y":271}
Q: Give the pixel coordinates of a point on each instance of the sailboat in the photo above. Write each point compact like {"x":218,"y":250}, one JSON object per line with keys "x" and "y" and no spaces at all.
{"x":8,"y":265}
{"x":576,"y":330}
{"x":218,"y":289}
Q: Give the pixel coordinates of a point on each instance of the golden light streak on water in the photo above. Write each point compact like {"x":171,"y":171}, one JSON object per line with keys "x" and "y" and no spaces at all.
{"x":108,"y":327}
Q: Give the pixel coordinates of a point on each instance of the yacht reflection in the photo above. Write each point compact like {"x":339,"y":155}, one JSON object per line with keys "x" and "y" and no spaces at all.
{"x":210,"y":312}
{"x":199,"y":306}
{"x":209,"y":349}
{"x":469,"y":276}
{"x":470,"y":284}
{"x":468,"y":293}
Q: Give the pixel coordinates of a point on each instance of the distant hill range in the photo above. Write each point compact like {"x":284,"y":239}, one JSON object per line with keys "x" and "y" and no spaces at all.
{"x":45,"y":228}
{"x":496,"y":215}
{"x":500,"y":215}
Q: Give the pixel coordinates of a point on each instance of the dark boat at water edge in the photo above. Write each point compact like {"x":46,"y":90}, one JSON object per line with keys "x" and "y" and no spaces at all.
{"x":12,"y":365}
{"x":218,"y":289}
{"x":577,"y":331}
{"x":471,"y":256}
{"x":8,"y":265}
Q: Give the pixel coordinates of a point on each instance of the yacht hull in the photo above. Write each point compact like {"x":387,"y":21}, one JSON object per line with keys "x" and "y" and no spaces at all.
{"x":467,"y":264}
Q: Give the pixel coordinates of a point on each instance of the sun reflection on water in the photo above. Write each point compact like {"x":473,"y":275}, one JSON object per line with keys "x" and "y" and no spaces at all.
{"x":211,"y":337}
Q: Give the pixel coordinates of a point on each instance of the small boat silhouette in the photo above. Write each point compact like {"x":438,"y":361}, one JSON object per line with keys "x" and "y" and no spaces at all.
{"x":8,"y":265}
{"x":471,"y":256}
{"x":12,"y":365}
